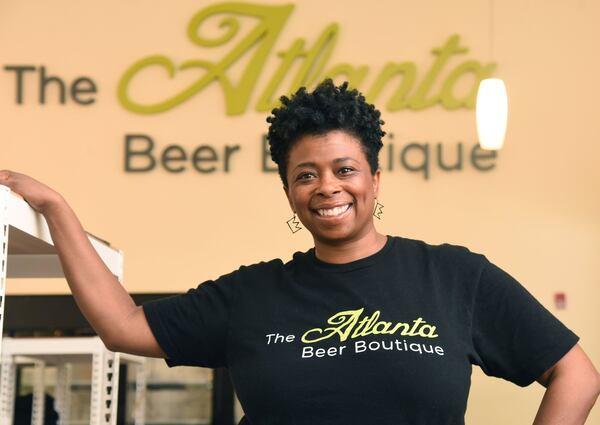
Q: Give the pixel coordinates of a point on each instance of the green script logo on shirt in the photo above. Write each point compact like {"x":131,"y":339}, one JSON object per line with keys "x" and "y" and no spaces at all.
{"x":347,"y":325}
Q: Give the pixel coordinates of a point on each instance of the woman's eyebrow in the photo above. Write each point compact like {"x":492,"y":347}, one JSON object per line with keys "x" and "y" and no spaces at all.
{"x":335,"y":161}
{"x":346,"y":158}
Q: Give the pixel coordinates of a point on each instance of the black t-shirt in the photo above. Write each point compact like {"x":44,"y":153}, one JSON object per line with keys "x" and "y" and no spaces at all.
{"x":388,"y":339}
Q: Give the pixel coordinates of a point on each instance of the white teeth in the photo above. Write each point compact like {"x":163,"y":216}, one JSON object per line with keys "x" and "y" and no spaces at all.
{"x":333,"y":211}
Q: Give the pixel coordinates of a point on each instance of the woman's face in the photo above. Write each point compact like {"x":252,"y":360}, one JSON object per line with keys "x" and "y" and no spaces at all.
{"x":330,"y":186}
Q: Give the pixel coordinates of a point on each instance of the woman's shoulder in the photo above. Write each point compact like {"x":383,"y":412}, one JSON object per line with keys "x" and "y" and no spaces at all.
{"x":262,"y":266}
{"x":447,"y":252}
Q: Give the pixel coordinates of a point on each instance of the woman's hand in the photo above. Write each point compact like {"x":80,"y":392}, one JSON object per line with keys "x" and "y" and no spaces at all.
{"x":39,"y":196}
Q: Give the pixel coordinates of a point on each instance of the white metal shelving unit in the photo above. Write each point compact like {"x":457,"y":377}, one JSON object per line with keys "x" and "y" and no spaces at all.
{"x":62,"y":353}
{"x":28,"y":252}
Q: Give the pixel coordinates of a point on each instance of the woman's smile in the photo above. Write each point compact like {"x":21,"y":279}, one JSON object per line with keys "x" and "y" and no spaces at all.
{"x":332,"y":212}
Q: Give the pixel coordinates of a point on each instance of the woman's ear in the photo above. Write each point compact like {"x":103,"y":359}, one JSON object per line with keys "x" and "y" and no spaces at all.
{"x":376,"y":178}
{"x":287,"y":195}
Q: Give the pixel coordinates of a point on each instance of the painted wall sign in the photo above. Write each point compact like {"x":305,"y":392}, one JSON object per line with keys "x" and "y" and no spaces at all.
{"x":413,"y":92}
{"x":247,"y":37}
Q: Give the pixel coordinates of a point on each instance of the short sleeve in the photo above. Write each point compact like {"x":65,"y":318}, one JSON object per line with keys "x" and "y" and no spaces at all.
{"x":514,"y":336}
{"x":192,"y":328}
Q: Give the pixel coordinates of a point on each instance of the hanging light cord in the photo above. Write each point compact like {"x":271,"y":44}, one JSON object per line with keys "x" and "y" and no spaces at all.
{"x":491,"y":26}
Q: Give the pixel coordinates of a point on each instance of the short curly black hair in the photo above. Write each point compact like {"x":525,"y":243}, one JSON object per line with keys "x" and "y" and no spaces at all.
{"x":327,"y":108}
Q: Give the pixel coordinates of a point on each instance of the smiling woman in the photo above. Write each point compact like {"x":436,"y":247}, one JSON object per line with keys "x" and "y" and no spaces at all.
{"x":332,"y":190}
{"x":326,"y":145}
{"x":446,"y":308}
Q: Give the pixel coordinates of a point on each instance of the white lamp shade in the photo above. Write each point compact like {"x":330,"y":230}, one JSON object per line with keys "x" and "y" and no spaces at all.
{"x":491,"y":113}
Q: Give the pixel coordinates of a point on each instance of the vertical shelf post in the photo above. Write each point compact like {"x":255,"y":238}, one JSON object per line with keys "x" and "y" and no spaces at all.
{"x":4,"y":225}
{"x":39,"y":394}
{"x":140,"y":395}
{"x":7,"y":389}
{"x":62,"y":394}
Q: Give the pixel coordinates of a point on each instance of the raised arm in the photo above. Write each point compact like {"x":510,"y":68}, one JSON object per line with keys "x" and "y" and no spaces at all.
{"x":104,"y":302}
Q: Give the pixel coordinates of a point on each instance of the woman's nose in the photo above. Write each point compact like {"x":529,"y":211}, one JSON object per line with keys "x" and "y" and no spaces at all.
{"x":328,"y":184}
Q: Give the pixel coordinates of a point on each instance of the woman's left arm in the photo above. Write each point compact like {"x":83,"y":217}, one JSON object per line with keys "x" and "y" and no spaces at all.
{"x":572,"y":387}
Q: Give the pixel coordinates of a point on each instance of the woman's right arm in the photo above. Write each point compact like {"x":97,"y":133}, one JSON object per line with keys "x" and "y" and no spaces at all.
{"x":104,"y":302}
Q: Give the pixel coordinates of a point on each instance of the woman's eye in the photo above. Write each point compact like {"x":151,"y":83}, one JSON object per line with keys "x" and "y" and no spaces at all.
{"x":346,"y":170}
{"x":304,"y":176}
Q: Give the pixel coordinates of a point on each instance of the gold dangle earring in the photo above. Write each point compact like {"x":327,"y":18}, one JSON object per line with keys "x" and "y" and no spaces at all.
{"x":294,"y":224}
{"x":378,"y":210}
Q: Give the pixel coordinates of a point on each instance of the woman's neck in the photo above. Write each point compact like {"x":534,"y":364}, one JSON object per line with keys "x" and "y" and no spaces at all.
{"x":341,"y":252}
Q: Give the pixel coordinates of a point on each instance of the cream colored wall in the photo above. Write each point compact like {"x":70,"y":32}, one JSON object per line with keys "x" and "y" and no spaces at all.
{"x":536,"y":215}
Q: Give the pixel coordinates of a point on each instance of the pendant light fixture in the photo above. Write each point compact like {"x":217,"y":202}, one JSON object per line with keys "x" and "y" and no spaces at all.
{"x":491,"y":111}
